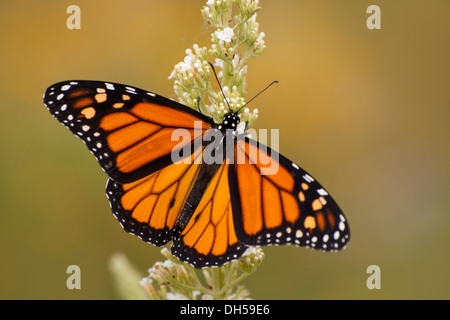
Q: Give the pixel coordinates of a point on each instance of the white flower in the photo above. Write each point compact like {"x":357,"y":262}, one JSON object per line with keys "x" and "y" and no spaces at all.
{"x":219,"y":63}
{"x":176,"y":296}
{"x":187,"y":63}
{"x":240,"y":129}
{"x":167,"y":264}
{"x":261,"y":36}
{"x":225,"y":35}
{"x":210,"y":3}
{"x":197,"y":49}
{"x":146,"y":282}
{"x":211,"y":109}
{"x":226,"y":91}
{"x":235,"y":60}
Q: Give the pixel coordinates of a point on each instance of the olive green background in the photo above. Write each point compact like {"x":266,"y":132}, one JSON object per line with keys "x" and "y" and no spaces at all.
{"x":366,"y":112}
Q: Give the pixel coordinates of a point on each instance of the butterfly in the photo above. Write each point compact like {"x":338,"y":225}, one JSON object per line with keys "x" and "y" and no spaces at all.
{"x":211,"y":211}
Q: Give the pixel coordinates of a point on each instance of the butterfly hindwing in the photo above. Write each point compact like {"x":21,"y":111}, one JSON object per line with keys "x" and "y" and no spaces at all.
{"x":129,"y":130}
{"x":209,"y":238}
{"x":150,"y":207}
{"x":276,"y":202}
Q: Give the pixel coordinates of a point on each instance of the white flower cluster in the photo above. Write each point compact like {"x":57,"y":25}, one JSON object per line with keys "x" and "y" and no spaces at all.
{"x":251,"y":258}
{"x":192,"y":77}
{"x":234,"y":42}
{"x":174,"y":280}
{"x":225,"y":34}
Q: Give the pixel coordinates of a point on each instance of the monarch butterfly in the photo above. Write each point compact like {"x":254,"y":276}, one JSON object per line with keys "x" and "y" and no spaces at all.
{"x":211,"y":212}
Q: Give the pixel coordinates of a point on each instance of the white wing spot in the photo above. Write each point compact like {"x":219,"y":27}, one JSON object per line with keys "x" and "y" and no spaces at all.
{"x":109,"y":86}
{"x":130,"y":90}
{"x":322,"y":192}
{"x":65,"y":87}
{"x":336,"y":235}
{"x":295,"y":166}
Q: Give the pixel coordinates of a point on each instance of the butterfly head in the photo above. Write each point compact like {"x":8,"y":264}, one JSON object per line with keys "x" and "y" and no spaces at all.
{"x":230,"y":122}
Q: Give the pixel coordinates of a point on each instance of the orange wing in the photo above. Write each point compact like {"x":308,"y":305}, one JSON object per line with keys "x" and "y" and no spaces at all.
{"x":284,"y":206}
{"x":209,"y":238}
{"x":150,"y":207}
{"x":129,"y":130}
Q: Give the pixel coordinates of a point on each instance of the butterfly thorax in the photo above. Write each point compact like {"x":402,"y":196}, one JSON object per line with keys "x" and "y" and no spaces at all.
{"x":230,"y":122}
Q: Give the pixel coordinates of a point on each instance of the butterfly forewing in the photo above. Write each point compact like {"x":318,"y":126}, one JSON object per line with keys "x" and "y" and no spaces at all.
{"x":129,"y":130}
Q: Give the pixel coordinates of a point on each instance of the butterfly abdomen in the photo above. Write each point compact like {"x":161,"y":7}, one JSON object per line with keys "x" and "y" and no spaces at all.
{"x":206,"y":172}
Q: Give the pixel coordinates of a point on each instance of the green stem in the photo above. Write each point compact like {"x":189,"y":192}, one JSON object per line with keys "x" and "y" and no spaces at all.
{"x":227,"y":17}
{"x":227,"y":74}
{"x":217,"y":283}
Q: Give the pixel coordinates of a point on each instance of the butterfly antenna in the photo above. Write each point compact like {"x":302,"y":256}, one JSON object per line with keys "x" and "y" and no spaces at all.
{"x":275,"y":81}
{"x":199,"y":106}
{"x":246,"y":125}
{"x":214,"y":70}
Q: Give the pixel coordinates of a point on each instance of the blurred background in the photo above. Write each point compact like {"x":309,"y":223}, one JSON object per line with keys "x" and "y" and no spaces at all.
{"x":364,"y":111}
